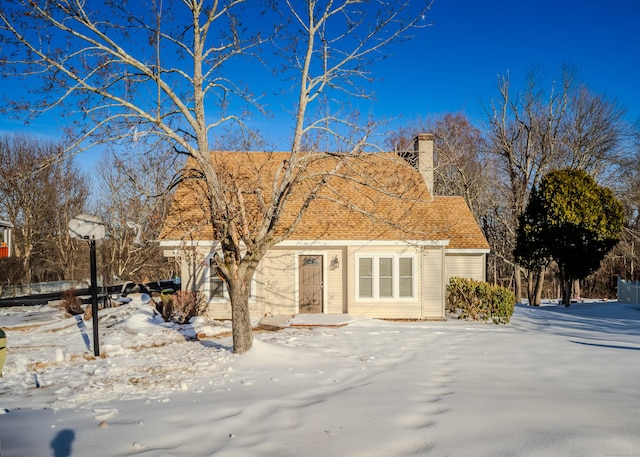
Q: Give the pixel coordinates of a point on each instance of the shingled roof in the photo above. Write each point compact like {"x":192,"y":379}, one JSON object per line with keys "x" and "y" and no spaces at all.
{"x":367,"y":197}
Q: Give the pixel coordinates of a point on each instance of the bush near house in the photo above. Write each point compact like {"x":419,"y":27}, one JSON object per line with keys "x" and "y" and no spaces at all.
{"x":182,"y":306}
{"x":11,"y":271}
{"x":478,"y":300}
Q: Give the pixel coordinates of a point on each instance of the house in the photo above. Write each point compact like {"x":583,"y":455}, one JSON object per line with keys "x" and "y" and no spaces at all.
{"x":5,"y":238}
{"x":375,"y":242}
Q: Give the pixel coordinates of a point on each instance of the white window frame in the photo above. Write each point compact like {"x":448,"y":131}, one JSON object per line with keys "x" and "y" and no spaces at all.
{"x":371,"y":290}
{"x":413,"y":277}
{"x":208,"y":272}
{"x":395,"y":277}
{"x":378,"y":277}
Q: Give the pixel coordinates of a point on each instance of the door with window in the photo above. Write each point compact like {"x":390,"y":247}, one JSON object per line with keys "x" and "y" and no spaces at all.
{"x":310,"y":283}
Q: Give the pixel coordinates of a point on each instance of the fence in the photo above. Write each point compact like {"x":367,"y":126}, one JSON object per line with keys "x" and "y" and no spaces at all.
{"x":628,"y":291}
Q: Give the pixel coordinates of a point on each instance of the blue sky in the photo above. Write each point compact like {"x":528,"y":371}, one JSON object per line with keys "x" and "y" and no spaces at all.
{"x":454,"y":64}
{"x":457,"y":61}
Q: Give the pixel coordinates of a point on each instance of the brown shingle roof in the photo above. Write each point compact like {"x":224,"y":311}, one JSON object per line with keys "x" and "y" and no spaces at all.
{"x":370,"y":197}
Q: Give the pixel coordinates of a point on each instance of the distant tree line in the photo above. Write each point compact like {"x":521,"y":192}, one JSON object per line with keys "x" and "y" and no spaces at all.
{"x":41,"y":190}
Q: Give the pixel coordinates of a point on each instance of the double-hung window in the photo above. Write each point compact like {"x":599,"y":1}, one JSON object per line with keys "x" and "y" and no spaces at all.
{"x":365,"y":277}
{"x":386,"y":277}
{"x":405,"y":276}
{"x":218,"y":289}
{"x":216,"y":284}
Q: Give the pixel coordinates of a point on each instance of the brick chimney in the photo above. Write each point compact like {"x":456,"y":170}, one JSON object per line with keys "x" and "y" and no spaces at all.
{"x":420,"y":156}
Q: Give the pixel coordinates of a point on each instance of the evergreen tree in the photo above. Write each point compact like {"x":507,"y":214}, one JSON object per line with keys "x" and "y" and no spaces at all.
{"x":572,"y":220}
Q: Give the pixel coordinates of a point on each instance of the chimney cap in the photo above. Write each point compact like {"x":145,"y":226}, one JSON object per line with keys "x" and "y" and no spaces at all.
{"x":425,"y":136}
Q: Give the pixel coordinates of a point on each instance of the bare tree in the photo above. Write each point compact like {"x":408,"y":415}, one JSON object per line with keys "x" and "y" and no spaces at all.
{"x":39,"y":202}
{"x":461,"y":167}
{"x":133,"y":204}
{"x":594,"y":132}
{"x":90,"y":57}
{"x":625,"y":260}
{"x":66,"y":254}
{"x":525,"y":135}
{"x":631,"y":198}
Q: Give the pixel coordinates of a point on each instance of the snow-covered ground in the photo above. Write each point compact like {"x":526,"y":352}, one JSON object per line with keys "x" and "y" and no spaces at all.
{"x":555,"y":382}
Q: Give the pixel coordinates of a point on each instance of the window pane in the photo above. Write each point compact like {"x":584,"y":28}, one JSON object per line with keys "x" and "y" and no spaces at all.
{"x":406,"y":277}
{"x":386,"y":268}
{"x":366,"y":267}
{"x":385,"y":277}
{"x":406,"y":266}
{"x":365,"y":277}
{"x":366,"y":287}
{"x":386,"y":287}
{"x":406,"y":287}
{"x":216,"y":287}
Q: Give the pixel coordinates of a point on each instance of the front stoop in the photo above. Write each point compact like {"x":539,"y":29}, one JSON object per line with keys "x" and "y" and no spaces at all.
{"x":274,"y":323}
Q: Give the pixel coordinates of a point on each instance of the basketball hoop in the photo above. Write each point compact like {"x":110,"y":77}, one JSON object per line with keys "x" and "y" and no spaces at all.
{"x":90,"y":228}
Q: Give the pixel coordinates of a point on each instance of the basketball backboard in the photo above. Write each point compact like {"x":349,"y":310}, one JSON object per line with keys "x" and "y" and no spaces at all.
{"x":86,"y":227}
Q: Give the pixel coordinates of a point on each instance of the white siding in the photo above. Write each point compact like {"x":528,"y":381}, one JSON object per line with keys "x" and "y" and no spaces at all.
{"x":470,"y":266}
{"x":335,"y":293}
{"x":276,"y":287}
{"x":280,"y":284}
{"x":433,"y":284}
{"x":195,"y":276}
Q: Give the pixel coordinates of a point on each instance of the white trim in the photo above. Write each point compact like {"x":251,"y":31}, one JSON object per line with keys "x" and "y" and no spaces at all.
{"x":395,"y":275}
{"x":189,"y":243}
{"x":467,"y":251}
{"x":312,"y":243}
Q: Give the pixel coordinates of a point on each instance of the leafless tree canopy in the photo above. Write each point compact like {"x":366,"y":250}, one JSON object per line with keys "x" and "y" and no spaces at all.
{"x":461,"y":165}
{"x":39,"y":202}
{"x":133,"y":203}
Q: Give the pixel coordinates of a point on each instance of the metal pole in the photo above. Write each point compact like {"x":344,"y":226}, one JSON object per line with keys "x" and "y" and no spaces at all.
{"x":94,"y":298}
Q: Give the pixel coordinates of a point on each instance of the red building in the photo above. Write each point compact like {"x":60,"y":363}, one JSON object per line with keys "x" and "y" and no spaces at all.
{"x":5,"y":238}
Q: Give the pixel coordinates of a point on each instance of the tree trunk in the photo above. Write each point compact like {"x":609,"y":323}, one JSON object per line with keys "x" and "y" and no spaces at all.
{"x":530,"y":287}
{"x":576,"y":288}
{"x":518,"y":282}
{"x":539,"y":284}
{"x":535,"y":280}
{"x":240,"y":317}
{"x":566,"y":292}
{"x":26,"y":268}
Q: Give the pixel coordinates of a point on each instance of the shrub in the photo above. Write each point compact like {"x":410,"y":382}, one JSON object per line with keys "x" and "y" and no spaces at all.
{"x":72,"y":304}
{"x":478,"y":300}
{"x":11,"y":271}
{"x":182,"y":306}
